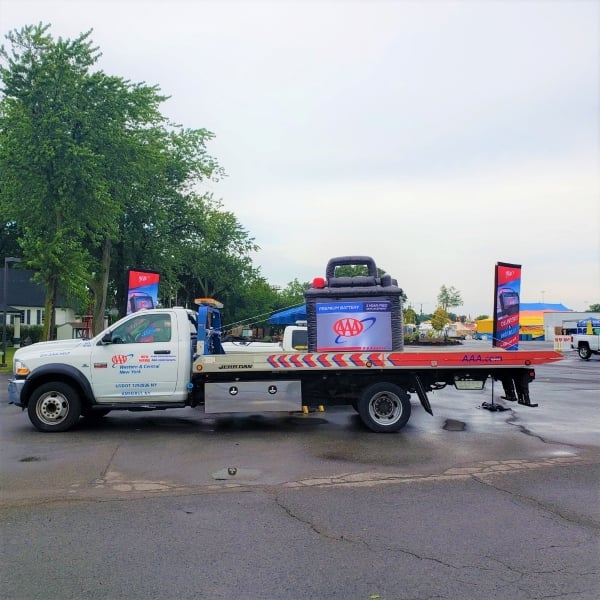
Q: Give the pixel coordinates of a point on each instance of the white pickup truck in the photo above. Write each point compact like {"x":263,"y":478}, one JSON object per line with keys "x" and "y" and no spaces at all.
{"x":586,"y":344}
{"x":295,"y":339}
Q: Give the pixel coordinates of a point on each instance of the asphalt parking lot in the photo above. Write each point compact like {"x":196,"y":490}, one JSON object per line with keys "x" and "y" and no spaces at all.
{"x":468,"y":503}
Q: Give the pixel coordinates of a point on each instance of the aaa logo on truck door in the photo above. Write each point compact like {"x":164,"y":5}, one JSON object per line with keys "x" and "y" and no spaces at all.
{"x":120,"y":359}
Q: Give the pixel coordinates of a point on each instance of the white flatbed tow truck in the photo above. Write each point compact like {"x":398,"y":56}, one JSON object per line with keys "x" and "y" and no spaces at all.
{"x":126,"y":368}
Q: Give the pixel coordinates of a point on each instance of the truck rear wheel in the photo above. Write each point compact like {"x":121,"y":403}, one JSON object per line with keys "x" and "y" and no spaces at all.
{"x":584,"y":351}
{"x":54,"y":407}
{"x":384,"y":407}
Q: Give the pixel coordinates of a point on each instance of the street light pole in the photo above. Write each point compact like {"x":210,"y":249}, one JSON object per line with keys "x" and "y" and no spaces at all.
{"x":7,"y":259}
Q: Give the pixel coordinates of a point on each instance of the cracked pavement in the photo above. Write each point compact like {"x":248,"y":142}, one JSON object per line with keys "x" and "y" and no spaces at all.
{"x":467,"y":504}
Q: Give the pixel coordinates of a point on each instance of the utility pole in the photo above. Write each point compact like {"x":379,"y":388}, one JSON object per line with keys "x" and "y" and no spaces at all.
{"x":7,"y":259}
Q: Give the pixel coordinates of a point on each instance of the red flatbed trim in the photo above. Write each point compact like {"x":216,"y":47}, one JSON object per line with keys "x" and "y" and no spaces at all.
{"x":411,"y":360}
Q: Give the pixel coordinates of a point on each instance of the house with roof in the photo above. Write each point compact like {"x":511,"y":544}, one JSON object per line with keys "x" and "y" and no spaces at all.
{"x":25,"y":304}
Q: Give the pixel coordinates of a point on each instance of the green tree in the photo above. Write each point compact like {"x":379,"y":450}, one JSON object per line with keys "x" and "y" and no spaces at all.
{"x":354,"y":271}
{"x":43,"y":164}
{"x":593,"y":308}
{"x":449,"y":298}
{"x":95,"y":180}
{"x":439,"y":319}
{"x":410,"y":316}
{"x":63,"y":130}
{"x":361,"y":270}
{"x":292,"y":294}
{"x":135,"y":150}
{"x":254,"y":304}
{"x":257,"y":301}
{"x":9,"y":245}
{"x":215,"y":258}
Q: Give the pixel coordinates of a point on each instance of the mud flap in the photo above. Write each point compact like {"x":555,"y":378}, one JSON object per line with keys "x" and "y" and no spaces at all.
{"x":422,"y":394}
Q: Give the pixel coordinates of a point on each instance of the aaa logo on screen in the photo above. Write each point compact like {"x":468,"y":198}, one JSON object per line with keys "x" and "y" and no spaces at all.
{"x":350,"y":327}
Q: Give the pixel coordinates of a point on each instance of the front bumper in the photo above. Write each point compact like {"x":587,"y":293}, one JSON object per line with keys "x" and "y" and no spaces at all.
{"x":15,"y":386}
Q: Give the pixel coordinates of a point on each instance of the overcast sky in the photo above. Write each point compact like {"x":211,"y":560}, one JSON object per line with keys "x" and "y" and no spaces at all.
{"x":438,"y":137}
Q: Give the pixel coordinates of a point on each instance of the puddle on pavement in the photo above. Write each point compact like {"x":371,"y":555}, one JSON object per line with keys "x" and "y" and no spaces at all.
{"x":453,"y":425}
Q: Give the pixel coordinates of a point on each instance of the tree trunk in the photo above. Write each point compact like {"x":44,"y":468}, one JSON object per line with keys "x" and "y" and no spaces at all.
{"x":100,"y":286}
{"x":121,"y":285}
{"x":49,"y":330}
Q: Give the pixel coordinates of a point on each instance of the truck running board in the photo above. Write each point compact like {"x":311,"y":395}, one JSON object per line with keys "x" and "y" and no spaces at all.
{"x":133,"y":406}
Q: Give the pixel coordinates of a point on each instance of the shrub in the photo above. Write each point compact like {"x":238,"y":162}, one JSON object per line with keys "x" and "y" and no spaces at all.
{"x":33,"y":332}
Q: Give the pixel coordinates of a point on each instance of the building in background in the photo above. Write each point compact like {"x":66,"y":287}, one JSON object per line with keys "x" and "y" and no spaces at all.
{"x":531,"y":321}
{"x":25,"y":304}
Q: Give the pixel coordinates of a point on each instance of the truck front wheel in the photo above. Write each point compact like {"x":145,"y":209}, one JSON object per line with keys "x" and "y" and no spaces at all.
{"x":584,"y":351}
{"x":54,"y":407}
{"x":384,"y":407}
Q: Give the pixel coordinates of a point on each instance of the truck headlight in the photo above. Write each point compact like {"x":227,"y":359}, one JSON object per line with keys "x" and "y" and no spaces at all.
{"x":20,"y":369}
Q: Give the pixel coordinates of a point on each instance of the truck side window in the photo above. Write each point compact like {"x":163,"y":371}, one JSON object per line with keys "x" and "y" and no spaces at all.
{"x":157,"y":330}
{"x":143,"y":329}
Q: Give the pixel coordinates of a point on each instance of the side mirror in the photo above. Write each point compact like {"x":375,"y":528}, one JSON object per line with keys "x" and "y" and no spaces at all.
{"x":107,"y":338}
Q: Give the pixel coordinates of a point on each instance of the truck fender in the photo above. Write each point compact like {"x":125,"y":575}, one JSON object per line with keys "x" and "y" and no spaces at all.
{"x":57,"y":372}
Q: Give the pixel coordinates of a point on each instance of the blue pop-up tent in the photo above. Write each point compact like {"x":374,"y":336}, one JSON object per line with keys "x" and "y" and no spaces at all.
{"x":584,"y":322}
{"x":289,"y":316}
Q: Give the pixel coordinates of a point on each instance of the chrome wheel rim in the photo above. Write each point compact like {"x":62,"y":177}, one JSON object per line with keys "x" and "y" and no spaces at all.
{"x":385,"y":408}
{"x":52,"y":408}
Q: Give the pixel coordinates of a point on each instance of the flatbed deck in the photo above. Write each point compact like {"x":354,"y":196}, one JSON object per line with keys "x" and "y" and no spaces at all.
{"x":414,"y":359}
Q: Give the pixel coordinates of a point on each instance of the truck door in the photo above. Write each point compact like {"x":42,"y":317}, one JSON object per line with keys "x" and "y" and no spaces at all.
{"x":140,"y":363}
